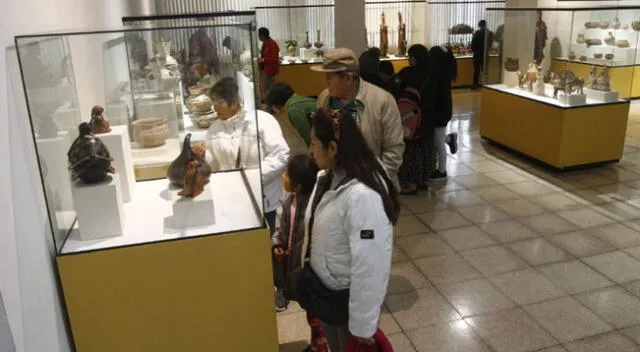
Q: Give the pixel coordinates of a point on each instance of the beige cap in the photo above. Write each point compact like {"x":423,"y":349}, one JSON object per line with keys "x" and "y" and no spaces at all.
{"x":340,"y":59}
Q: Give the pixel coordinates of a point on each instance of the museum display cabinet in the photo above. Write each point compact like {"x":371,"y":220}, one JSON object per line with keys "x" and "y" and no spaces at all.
{"x":149,"y":264}
{"x":566,"y":76}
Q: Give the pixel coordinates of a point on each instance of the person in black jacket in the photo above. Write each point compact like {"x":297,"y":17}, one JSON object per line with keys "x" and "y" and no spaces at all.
{"x":480,"y":37}
{"x":437,"y":93}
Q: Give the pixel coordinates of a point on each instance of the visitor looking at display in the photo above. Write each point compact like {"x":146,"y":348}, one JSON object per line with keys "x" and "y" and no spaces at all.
{"x":480,"y":39}
{"x":269,"y":61}
{"x":437,"y":92}
{"x":229,"y":143}
{"x":288,"y":239}
{"x":292,"y":112}
{"x":350,"y":232}
{"x":374,"y":109}
{"x":369,"y":62}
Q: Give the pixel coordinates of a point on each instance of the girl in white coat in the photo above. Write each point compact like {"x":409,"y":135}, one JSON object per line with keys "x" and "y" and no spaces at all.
{"x":231,"y":143}
{"x":350,"y":223}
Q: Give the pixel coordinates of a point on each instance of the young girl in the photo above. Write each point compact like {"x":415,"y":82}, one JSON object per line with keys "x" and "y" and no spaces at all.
{"x":298,"y":179}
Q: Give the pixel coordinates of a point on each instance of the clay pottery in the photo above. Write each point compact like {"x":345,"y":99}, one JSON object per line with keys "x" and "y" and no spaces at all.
{"x":178,"y":168}
{"x":203,"y":120}
{"x":89,"y":158}
{"x":196,"y":177}
{"x":593,"y":42}
{"x":623,"y":43}
{"x":318,"y":44}
{"x":291,"y":46}
{"x":604,"y":25}
{"x":511,"y":64}
{"x":307,"y":43}
{"x":572,"y":55}
{"x":198,"y":100}
{"x":598,"y":55}
{"x":580,"y":39}
{"x":98,"y":123}
{"x":583,"y":58}
{"x":592,"y":24}
{"x":610,"y":39}
{"x":625,"y":26}
{"x":609,"y":56}
{"x":151,"y":132}
{"x":615,"y":24}
{"x":636,"y":26}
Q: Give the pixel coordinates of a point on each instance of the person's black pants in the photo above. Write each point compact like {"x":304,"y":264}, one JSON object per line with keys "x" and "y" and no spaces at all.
{"x":278,"y":272}
{"x":477,"y":68}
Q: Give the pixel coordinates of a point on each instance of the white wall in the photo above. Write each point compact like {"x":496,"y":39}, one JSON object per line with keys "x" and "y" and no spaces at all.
{"x":27,"y":276}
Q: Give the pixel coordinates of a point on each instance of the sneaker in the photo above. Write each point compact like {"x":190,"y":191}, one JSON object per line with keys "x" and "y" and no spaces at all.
{"x":438,"y":175}
{"x":281,"y":301}
{"x":409,"y":190}
{"x":453,"y":142}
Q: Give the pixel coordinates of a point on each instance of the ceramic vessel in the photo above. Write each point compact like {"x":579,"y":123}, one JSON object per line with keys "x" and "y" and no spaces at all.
{"x":89,"y":158}
{"x":178,"y":168}
{"x":625,"y":26}
{"x":291,"y":46}
{"x":609,"y":56}
{"x":318,"y":44}
{"x":615,"y":24}
{"x":610,"y":39}
{"x":592,"y":24}
{"x":572,"y":55}
{"x":307,"y":44}
{"x":636,"y":26}
{"x":580,"y":39}
{"x":598,"y":55}
{"x":511,"y":64}
{"x":538,"y":88}
{"x":150,"y":132}
{"x":623,"y":43}
{"x":593,"y":42}
{"x":583,"y":58}
{"x":567,"y":82}
{"x":98,"y":123}
{"x":605,"y":25}
{"x":198,"y":100}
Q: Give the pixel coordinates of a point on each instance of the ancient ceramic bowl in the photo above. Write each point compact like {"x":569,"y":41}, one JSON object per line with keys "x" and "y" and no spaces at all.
{"x":198,"y":100}
{"x":203,"y":120}
{"x":151,"y":132}
{"x":598,"y":55}
{"x":572,"y":55}
{"x":623,"y":43}
{"x":609,"y":56}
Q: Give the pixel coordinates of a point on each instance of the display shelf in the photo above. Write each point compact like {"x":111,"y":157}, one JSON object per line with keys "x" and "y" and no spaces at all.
{"x":153,"y":198}
{"x":548,"y":98}
{"x":624,"y":79}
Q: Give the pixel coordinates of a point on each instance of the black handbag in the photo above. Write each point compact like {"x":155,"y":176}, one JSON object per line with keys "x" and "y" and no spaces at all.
{"x":330,"y":306}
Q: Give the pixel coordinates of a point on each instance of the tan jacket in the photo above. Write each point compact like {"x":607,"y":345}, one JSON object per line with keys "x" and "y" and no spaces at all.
{"x":380,"y":123}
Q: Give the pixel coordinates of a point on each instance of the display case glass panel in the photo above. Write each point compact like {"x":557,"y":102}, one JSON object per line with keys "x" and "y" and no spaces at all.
{"x":303,"y":32}
{"x":568,"y":57}
{"x":404,"y":25}
{"x":103,"y":104}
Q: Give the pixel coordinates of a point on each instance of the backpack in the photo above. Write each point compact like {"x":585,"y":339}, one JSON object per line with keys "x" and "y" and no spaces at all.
{"x":410,"y":113}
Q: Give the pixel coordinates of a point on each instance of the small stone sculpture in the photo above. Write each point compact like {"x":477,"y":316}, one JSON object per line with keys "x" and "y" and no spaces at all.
{"x":189,"y":170}
{"x":568,"y":83}
{"x":538,"y":88}
{"x":599,"y":81}
{"x":98,"y":123}
{"x":402,"y":36}
{"x":89,"y":158}
{"x":384,"y":38}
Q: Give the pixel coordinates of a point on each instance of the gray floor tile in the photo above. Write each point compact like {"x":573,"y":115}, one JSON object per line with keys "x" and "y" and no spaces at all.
{"x":401,"y":343}
{"x":410,"y":225}
{"x":633,"y":333}
{"x":423,"y":245}
{"x":548,"y":224}
{"x":511,"y":331}
{"x":538,"y":251}
{"x":567,"y":320}
{"x":586,"y":217}
{"x":526,"y":286}
{"x":614,"y":304}
{"x":617,"y":235}
{"x":508,"y":231}
{"x":603,"y":343}
{"x":406,"y":277}
{"x":465,"y":238}
{"x":581,"y":244}
{"x":493,"y":260}
{"x":618,"y":266}
{"x":483,"y":213}
{"x":455,"y":336}
{"x":446,"y":269}
{"x":574,"y":277}
{"x":421,"y":308}
{"x":444,"y":219}
{"x":633,"y":287}
{"x":520,"y":207}
{"x":475,"y":297}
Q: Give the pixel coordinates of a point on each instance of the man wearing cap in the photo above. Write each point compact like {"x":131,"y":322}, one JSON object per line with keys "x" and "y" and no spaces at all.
{"x":374,"y":109}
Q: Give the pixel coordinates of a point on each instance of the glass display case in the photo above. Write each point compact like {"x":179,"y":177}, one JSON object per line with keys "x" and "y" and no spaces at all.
{"x":569,"y":57}
{"x":393,"y":26}
{"x":105,"y":105}
{"x":303,"y":32}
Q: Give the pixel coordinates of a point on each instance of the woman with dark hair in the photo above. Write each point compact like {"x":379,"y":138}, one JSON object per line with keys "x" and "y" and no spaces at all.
{"x":438,"y":92}
{"x":350,"y":227}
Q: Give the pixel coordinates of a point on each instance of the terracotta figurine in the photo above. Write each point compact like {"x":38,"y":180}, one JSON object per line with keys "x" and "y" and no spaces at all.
{"x":189,"y":170}
{"x":402,"y":36}
{"x":384,"y":38}
{"x":89,"y":158}
{"x":540,"y":40}
{"x":98,"y":123}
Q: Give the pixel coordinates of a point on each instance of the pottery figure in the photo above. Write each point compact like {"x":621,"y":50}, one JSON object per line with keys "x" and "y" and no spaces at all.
{"x":540,"y":40}
{"x":599,"y":81}
{"x":568,"y":83}
{"x":583,"y":58}
{"x":538,"y":88}
{"x":592,"y":24}
{"x":98,"y":123}
{"x":384,"y":37}
{"x":591,"y":42}
{"x":580,"y":39}
{"x":291,"y":46}
{"x":200,"y":107}
{"x":530,"y":77}
{"x":402,"y":36}
{"x":625,"y":26}
{"x":307,"y":44}
{"x":89,"y":158}
{"x":636,"y":26}
{"x":616,"y":24}
{"x":598,"y":55}
{"x":572,"y":55}
{"x":150,"y":132}
{"x":623,"y":43}
{"x":189,"y":170}
{"x":610,"y":39}
{"x":609,"y":56}
{"x":604,"y":25}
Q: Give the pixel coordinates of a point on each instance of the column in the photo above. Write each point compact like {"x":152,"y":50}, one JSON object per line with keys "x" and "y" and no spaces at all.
{"x":350,"y":27}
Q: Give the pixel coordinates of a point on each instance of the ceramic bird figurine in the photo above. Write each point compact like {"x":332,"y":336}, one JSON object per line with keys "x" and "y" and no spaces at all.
{"x":98,"y":123}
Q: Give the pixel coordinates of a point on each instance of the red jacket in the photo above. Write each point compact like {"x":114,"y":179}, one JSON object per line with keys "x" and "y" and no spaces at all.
{"x":270,"y":53}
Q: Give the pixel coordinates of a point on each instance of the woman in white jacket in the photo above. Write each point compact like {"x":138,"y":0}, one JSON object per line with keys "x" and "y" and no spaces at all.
{"x":350,"y":223}
{"x":231,"y":143}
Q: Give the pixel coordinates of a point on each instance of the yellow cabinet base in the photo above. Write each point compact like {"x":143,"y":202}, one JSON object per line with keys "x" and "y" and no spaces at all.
{"x":559,"y":137}
{"x":210,"y":293}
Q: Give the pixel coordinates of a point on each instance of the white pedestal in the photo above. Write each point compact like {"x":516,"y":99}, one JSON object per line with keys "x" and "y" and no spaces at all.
{"x":53,"y":157}
{"x":573,"y":99}
{"x":599,"y":95}
{"x":192,"y":212}
{"x":117,"y":141}
{"x":247,"y":92}
{"x":99,"y":208}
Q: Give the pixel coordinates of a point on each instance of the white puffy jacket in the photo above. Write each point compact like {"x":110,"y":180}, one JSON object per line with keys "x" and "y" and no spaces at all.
{"x":225,"y":137}
{"x":342,"y":258}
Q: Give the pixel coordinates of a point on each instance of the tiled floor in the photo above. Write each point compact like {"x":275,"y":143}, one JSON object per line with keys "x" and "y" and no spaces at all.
{"x":506,"y":256}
